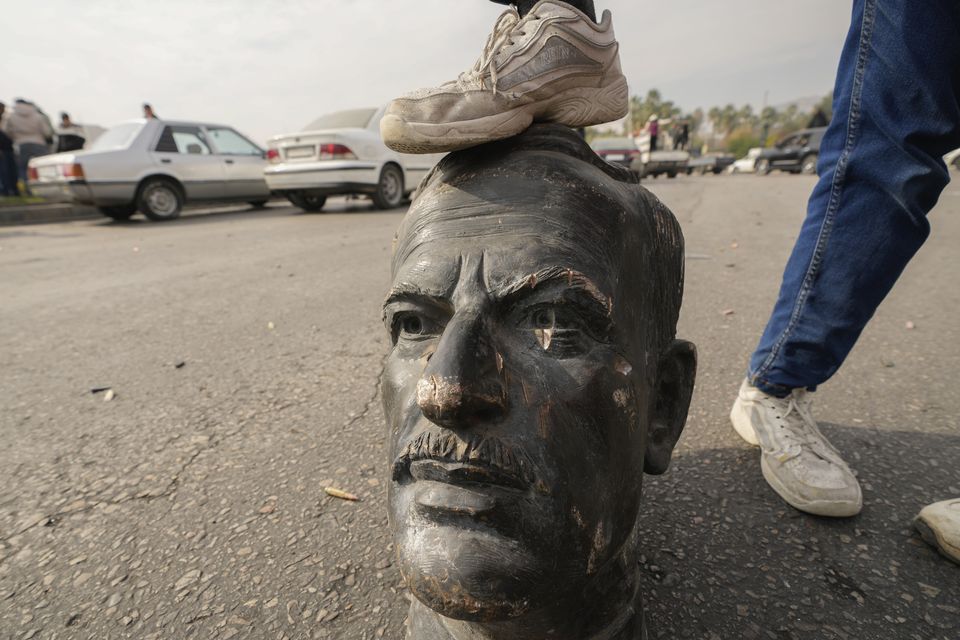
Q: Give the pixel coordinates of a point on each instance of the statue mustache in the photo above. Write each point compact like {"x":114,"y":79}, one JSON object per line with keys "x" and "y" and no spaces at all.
{"x":482,"y":451}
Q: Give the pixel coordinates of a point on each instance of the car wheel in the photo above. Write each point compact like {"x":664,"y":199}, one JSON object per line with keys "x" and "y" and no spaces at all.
{"x":258,"y":204}
{"x":308,"y":202}
{"x":763,"y":167}
{"x":389,"y":193}
{"x":160,"y":199}
{"x":671,"y":174}
{"x":809,"y":164}
{"x":118,"y":212}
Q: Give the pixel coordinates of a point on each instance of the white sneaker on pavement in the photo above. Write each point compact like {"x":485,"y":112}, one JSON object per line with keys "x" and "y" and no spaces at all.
{"x":939,"y":524}
{"x":553,"y":65}
{"x":797,"y":461}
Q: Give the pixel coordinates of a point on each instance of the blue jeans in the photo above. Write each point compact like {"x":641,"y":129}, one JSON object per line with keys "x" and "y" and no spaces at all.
{"x":896,"y":113}
{"x":27,"y":152}
{"x":8,"y":174}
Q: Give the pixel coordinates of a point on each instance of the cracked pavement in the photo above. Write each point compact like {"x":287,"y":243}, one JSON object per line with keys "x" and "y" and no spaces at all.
{"x":192,"y":503}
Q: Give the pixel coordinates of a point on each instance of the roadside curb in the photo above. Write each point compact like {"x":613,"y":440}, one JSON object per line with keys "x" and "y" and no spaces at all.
{"x":45,"y":214}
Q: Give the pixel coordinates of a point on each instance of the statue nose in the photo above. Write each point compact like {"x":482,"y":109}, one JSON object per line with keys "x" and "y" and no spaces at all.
{"x":462,"y":385}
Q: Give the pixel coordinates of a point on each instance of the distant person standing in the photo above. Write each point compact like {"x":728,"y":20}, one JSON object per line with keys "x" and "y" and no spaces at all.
{"x":70,"y":136}
{"x":653,"y":128}
{"x":682,"y":136}
{"x":148,"y":112}
{"x":8,"y":161}
{"x":29,"y":131}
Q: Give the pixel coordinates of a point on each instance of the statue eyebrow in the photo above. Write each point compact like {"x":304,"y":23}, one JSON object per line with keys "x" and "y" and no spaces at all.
{"x":553,"y":276}
{"x":410,"y":292}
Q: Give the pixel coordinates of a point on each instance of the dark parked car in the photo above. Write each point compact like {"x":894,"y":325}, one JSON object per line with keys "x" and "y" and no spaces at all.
{"x":620,"y":151}
{"x":797,"y":153}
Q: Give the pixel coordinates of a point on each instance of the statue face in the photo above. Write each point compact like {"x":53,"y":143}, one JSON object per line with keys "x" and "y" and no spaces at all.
{"x":518,"y":394}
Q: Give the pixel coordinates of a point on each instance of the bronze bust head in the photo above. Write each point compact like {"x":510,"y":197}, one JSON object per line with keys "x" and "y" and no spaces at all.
{"x":534,"y":377}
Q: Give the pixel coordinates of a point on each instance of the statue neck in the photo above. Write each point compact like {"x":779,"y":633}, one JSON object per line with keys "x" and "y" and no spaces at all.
{"x":605,"y":618}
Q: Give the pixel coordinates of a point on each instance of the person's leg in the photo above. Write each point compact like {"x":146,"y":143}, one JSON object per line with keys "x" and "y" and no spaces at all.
{"x":524,"y":6}
{"x":896,"y":114}
{"x":9,"y":168}
{"x":28,"y":151}
{"x":4,"y":175}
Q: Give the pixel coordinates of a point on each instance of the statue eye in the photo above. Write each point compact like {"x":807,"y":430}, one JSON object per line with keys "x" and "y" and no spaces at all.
{"x":557,"y":328}
{"x":411,"y":325}
{"x":544,"y":319}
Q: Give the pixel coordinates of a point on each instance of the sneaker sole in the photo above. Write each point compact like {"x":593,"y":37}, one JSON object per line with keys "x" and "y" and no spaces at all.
{"x":930,"y":537}
{"x":578,"y":107}
{"x":828,"y":508}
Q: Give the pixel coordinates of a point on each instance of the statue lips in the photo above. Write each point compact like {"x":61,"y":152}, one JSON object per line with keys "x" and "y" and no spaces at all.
{"x":465,"y":488}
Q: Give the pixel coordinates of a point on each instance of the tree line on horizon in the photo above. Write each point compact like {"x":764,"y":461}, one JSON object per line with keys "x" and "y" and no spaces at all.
{"x":730,"y":128}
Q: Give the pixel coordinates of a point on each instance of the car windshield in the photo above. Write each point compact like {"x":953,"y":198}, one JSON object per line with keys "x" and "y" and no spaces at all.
{"x":352,"y":119}
{"x":118,"y":137}
{"x":605,"y":144}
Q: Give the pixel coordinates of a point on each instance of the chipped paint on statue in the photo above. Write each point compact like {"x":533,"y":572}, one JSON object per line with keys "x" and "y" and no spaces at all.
{"x":534,"y":377}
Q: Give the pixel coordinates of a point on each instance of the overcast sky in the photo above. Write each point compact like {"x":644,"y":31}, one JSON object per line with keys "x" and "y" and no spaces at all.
{"x":271,"y":66}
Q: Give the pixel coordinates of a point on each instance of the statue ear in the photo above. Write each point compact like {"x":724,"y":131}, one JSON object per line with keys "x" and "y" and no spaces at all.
{"x":676,"y":372}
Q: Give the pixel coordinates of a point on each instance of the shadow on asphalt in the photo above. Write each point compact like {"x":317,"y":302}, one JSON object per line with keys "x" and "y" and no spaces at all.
{"x":226,"y":215}
{"x":724,"y":557}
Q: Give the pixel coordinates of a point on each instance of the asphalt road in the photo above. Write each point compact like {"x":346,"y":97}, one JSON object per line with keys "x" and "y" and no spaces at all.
{"x":243,"y":348}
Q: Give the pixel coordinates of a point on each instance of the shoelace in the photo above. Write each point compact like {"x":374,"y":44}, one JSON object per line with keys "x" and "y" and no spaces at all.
{"x":506,"y":27}
{"x":810,"y":436}
{"x":800,"y":405}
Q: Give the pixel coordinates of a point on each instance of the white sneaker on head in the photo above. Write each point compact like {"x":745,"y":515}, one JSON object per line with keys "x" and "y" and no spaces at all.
{"x":797,"y":461}
{"x":939,"y":524}
{"x":553,"y":65}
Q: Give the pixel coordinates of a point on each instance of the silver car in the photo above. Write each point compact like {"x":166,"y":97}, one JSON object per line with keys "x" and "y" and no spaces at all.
{"x":155,"y":167}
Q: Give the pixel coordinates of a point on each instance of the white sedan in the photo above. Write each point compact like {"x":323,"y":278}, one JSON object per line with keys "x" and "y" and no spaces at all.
{"x":342,"y":154}
{"x":156,"y":167}
{"x":748,"y":163}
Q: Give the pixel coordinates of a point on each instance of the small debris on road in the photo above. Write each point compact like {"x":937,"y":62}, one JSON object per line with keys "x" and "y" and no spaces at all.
{"x":270,"y":325}
{"x":910,"y":325}
{"x":269,"y":506}
{"x":109,"y":395}
{"x":727,"y":312}
{"x":180,"y":365}
{"x":97,"y":390}
{"x":339,"y":493}
{"x":187,"y":579}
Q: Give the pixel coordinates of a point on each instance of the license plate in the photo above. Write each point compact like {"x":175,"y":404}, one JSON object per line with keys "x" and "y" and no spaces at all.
{"x":301,"y":152}
{"x":48,"y":172}
{"x":616,"y":157}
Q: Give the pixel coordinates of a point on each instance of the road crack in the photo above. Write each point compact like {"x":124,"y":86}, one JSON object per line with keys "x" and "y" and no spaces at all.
{"x":373,"y":397}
